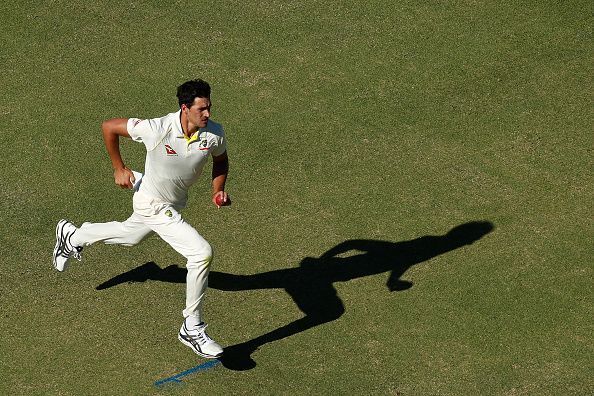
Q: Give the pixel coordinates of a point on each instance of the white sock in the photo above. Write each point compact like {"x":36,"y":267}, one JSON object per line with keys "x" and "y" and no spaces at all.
{"x":192,"y":321}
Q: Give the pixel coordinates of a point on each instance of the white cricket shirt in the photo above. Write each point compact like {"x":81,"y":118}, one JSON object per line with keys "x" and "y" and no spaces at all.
{"x":174,"y":162}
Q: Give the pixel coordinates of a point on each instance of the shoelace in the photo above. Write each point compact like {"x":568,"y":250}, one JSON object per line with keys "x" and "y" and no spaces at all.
{"x":202,"y":337}
{"x":77,"y":253}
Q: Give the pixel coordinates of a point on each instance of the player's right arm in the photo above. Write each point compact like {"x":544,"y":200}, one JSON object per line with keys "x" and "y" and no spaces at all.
{"x":112,"y":130}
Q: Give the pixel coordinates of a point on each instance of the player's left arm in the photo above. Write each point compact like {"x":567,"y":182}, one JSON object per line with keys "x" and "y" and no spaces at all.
{"x":220,"y":170}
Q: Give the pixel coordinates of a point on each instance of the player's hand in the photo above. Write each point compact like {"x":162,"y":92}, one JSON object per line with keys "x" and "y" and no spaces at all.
{"x":124,"y":177}
{"x":221,"y":198}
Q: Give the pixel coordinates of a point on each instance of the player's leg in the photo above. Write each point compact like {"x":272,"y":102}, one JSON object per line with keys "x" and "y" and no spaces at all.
{"x":182,"y":237}
{"x":127,"y":233}
{"x":70,"y":240}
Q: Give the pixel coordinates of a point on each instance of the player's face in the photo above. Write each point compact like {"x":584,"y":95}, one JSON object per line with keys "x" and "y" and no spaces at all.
{"x":199,"y":113}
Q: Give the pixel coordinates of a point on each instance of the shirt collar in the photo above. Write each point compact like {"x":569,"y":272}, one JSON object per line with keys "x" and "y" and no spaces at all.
{"x":180,"y":130}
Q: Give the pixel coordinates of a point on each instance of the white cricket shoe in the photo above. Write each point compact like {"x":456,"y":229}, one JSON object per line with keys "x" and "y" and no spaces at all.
{"x":64,"y":249}
{"x":197,"y":339}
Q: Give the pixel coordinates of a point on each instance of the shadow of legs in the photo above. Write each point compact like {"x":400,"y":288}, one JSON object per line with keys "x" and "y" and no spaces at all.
{"x":238,"y":357}
{"x":319,"y":302}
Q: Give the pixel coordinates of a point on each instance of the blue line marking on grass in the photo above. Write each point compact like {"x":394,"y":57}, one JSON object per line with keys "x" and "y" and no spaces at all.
{"x":177,"y":377}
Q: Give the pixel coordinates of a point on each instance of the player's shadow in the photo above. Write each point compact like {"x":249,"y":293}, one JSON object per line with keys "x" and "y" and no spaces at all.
{"x":311,"y":284}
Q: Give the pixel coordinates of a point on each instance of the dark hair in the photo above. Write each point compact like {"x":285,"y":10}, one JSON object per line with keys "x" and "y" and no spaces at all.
{"x":190,"y":90}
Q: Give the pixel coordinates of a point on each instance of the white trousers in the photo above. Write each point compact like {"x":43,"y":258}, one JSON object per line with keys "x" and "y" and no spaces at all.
{"x":149,"y":216}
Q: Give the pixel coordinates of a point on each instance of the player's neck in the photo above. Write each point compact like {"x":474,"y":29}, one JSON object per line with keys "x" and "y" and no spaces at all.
{"x":187,"y":128}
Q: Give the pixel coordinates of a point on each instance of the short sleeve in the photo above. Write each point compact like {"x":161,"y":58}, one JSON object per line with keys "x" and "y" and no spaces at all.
{"x":220,"y":145}
{"x":148,"y":132}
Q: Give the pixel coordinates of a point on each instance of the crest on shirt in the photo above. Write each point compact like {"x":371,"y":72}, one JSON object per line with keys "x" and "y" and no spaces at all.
{"x":203,"y":145}
{"x":170,"y":150}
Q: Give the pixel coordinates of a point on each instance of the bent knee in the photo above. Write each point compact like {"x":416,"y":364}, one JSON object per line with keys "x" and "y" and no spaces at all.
{"x":200,"y":255}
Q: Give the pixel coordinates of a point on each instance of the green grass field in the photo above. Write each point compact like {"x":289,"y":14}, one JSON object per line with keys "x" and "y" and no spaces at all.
{"x":367,"y":130}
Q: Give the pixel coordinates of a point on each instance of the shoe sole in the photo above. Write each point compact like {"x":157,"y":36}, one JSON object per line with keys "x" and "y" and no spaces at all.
{"x":192,"y":347}
{"x":59,"y":229}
